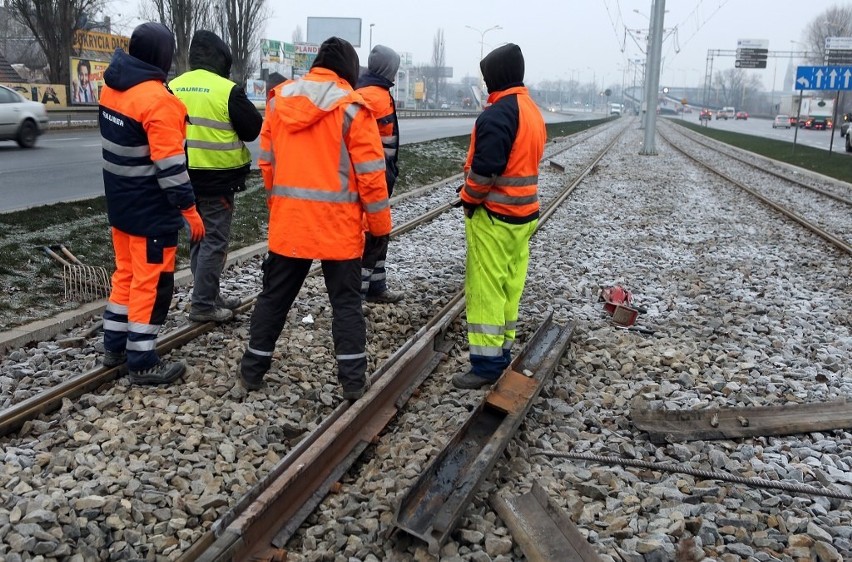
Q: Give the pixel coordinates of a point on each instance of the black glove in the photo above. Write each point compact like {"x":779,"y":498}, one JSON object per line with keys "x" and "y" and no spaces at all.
{"x":459,"y":202}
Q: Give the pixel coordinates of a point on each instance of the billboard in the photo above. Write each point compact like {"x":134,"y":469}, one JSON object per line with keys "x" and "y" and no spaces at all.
{"x":304,"y":56}
{"x":256,"y":89}
{"x":320,"y":29}
{"x":100,"y":42}
{"x":271,"y":50}
{"x":52,"y":95}
{"x":87,"y":79}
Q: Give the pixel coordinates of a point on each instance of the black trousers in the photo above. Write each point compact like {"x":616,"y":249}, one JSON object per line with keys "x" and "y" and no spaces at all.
{"x":283,"y":277}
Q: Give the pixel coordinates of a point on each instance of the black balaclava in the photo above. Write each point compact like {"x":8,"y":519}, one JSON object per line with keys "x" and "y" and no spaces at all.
{"x":503,"y":68}
{"x":153,"y":43}
{"x":207,"y":51}
{"x":339,"y":55}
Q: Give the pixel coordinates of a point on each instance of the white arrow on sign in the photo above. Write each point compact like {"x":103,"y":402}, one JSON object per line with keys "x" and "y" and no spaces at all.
{"x":804,"y":82}
{"x":833,"y":75}
{"x":819,"y":75}
{"x":846,"y":75}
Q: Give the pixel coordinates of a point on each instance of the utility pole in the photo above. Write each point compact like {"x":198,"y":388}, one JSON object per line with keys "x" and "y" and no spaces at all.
{"x":652,"y":86}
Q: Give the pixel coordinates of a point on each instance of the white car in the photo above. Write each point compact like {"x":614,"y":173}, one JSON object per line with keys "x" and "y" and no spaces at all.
{"x":781,"y":121}
{"x":20,"y":120}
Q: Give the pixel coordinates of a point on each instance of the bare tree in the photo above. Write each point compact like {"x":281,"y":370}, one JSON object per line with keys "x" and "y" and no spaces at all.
{"x":184,"y":18}
{"x":243,"y":20}
{"x":834,"y":22}
{"x":18,"y":44}
{"x":54,"y":23}
{"x":439,"y":57}
{"x":736,"y":88}
{"x":298,"y":36}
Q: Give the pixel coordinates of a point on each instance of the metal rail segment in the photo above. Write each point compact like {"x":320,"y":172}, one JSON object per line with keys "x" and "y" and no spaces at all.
{"x":432,"y":507}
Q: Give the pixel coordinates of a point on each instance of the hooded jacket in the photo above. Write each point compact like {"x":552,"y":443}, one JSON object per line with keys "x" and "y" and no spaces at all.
{"x":374,"y":86}
{"x":142,"y":130}
{"x":506,"y":144}
{"x":322,"y":165}
{"x":210,"y":63}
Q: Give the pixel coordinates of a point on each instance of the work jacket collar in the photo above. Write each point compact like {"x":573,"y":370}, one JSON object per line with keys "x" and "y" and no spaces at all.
{"x":494,"y":96}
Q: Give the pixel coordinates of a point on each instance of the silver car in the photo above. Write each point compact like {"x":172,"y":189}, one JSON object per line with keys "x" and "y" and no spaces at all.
{"x":20,"y":120}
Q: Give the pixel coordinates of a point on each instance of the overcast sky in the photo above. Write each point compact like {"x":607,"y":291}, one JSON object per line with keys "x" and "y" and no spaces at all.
{"x":563,"y":39}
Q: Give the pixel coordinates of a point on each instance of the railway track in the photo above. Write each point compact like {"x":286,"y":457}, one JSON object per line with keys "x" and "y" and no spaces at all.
{"x":823,"y":213}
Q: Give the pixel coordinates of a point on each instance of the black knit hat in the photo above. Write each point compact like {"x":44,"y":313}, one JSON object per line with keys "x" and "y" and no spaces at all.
{"x":503,"y":68}
{"x":339,"y":55}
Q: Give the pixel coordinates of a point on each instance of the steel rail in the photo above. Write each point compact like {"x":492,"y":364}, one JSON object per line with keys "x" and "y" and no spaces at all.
{"x":838,"y":242}
{"x":432,"y":507}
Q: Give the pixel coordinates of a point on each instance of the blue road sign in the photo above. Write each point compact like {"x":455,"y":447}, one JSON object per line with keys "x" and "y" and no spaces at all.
{"x":824,"y":78}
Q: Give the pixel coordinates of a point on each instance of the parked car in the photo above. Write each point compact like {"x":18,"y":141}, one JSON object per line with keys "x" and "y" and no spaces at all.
{"x":20,"y":120}
{"x":741,"y":115}
{"x":781,"y":121}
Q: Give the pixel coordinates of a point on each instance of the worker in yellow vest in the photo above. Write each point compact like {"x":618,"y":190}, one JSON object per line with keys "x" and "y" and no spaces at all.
{"x":221,"y":120}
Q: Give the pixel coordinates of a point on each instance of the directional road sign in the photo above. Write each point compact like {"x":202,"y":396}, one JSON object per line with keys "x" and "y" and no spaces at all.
{"x":750,"y":63}
{"x":824,"y":78}
{"x":752,"y":53}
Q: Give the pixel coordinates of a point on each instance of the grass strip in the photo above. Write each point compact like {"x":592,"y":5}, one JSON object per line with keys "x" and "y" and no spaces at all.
{"x":837,"y":166}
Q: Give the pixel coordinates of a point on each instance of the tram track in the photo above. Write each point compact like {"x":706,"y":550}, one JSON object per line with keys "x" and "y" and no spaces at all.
{"x":842,"y":219}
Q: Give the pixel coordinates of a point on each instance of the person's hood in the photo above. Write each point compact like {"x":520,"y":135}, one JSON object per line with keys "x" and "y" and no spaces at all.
{"x":384,"y":62}
{"x":338,"y":55}
{"x":503,"y":68}
{"x":154,"y":44}
{"x":125,"y":71}
{"x":369,"y":78}
{"x":208,"y":52}
{"x":305,"y":101}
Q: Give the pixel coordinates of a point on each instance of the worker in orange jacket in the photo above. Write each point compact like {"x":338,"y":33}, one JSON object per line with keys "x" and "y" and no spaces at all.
{"x":500,"y":197}
{"x":374,"y":86}
{"x":149,"y":197}
{"x":323,"y":168}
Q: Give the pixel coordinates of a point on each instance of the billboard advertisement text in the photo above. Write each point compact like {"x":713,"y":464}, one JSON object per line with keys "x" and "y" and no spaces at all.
{"x":87,"y":79}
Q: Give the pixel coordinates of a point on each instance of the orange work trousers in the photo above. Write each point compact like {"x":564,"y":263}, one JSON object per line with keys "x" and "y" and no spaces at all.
{"x":142,"y":288}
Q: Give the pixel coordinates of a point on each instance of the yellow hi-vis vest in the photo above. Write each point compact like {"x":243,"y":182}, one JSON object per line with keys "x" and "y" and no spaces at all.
{"x":212,"y":143}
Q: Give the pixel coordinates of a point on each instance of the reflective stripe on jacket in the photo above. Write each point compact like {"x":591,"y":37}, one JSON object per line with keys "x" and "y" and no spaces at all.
{"x":506,"y":146}
{"x":211,"y":141}
{"x":145,"y":176}
{"x":323,"y":166}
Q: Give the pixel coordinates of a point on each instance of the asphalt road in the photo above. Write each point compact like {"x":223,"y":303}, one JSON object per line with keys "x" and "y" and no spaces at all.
{"x":763,"y":128}
{"x":66,"y":165}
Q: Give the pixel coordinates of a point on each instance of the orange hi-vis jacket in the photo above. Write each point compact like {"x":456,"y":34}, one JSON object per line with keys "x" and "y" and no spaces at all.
{"x":380,"y":103}
{"x":323,"y":167}
{"x":506,"y":146}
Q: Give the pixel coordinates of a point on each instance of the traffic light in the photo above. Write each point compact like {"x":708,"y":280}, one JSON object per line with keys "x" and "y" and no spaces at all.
{"x":666,"y":90}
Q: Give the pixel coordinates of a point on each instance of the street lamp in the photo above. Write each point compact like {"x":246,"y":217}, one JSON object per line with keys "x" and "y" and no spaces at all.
{"x":371,"y":36}
{"x":482,"y":45}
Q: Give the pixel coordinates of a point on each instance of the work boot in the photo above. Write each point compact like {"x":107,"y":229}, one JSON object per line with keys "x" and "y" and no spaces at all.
{"x":164,"y":372}
{"x":354,"y":395}
{"x":217,"y":314}
{"x":471,"y":380}
{"x":228,"y":302}
{"x":250,"y":383}
{"x":114,"y":358}
{"x":385,"y":296}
